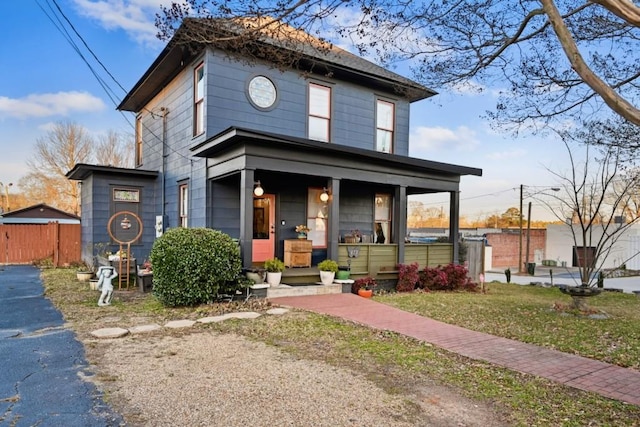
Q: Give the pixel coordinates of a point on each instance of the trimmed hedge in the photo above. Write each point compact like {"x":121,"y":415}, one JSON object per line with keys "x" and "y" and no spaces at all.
{"x":190,"y":265}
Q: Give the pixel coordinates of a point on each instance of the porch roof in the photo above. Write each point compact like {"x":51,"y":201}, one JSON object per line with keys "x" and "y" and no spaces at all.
{"x":228,"y":138}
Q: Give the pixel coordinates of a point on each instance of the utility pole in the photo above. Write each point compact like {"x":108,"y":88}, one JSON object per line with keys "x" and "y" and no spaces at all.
{"x":520,"y":237}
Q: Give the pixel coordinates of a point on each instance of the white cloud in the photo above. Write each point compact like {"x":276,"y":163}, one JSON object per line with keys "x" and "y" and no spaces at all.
{"x":135,"y":17}
{"x":49,"y":104}
{"x":506,"y":155}
{"x":423,"y":141}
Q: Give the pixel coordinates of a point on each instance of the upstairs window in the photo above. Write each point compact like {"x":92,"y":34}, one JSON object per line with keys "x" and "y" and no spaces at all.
{"x":139,"y":140}
{"x":319,"y":112}
{"x":385,"y":123}
{"x":198,"y":100}
{"x":183,"y":209}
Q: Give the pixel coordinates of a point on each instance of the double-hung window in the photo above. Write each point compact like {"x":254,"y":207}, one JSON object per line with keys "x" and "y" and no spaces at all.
{"x":382,"y":226}
{"x":385,"y":123}
{"x":183,"y":195}
{"x":317,"y":216}
{"x":198,"y":100}
{"x":319,"y":112}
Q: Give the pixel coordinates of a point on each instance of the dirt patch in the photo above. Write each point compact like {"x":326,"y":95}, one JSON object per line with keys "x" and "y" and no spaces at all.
{"x":205,"y":377}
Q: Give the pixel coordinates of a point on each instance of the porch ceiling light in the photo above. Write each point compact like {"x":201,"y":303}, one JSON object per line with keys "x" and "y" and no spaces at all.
{"x":258,"y":190}
{"x":324,"y":196}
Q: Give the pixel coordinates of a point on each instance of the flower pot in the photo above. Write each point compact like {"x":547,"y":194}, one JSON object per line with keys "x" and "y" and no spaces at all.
{"x":365,"y":293}
{"x":302,"y":236}
{"x":84,"y":276}
{"x":257,"y":278}
{"x":93,"y":284}
{"x":273,"y":278}
{"x":326,"y":277}
{"x":343,"y":274}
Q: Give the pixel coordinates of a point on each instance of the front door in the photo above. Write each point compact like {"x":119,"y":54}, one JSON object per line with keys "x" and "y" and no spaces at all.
{"x":264,"y":227}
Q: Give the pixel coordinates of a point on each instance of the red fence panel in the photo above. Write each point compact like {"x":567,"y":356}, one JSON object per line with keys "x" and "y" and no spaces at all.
{"x":26,"y":243}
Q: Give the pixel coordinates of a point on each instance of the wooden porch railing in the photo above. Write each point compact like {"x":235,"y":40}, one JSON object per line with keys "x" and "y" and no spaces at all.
{"x":373,"y":260}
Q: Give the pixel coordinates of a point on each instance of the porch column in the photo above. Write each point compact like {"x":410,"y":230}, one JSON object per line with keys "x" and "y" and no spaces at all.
{"x":454,"y":223}
{"x":334,"y":219}
{"x":400,"y":220}
{"x":246,"y":215}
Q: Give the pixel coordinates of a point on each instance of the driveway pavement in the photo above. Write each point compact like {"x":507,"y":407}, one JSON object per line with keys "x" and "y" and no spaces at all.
{"x":43,"y":364}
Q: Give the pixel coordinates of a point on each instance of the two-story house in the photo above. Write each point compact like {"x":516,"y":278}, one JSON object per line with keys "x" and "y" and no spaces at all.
{"x":254,"y":151}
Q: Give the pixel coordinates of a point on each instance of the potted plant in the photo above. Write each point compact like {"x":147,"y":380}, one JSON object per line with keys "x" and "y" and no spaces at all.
{"x":328,"y":269}
{"x":274,"y":267}
{"x":302,"y":231}
{"x":256,"y":274}
{"x":364,"y":286}
{"x":85,"y":272}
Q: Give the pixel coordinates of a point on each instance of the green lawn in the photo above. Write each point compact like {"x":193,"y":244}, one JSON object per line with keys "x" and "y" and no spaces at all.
{"x":527,"y":313}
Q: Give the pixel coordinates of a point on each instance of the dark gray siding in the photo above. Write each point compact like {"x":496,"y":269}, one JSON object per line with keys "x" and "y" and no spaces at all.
{"x":353,"y":107}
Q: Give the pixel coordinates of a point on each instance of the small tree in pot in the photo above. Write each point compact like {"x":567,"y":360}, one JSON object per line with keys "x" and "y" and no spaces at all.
{"x":328,"y":269}
{"x":274,"y":267}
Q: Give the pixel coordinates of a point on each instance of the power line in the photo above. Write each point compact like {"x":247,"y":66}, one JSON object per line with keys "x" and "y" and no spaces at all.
{"x":105,"y":86}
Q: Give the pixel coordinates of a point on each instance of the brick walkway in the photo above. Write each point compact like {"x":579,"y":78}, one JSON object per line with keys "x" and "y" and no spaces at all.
{"x":575,"y":371}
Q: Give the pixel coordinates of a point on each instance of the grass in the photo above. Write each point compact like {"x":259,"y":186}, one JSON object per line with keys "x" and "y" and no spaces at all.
{"x":402,"y":365}
{"x":527,"y":314}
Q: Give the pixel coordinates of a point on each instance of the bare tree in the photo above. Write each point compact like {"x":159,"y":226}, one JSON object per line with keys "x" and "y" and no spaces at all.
{"x":114,"y":149}
{"x":65,"y":145}
{"x":599,"y":196}
{"x":550,"y":59}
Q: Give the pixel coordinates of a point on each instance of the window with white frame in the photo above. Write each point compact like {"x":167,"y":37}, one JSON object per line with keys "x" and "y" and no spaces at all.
{"x":319,"y":112}
{"x":385,"y":123}
{"x":317,"y":218}
{"x":198,"y":100}
{"x":139,"y":140}
{"x":184,"y":205}
{"x":382,"y":221}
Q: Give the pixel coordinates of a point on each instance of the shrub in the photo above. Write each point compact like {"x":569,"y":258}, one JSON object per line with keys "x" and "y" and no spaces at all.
{"x":328,"y":265}
{"x":408,"y":277}
{"x":363,"y":283}
{"x":191,"y":264}
{"x":274,"y":265}
{"x":451,"y":277}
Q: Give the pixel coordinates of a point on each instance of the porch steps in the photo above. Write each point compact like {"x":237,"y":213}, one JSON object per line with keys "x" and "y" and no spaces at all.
{"x":283,"y":290}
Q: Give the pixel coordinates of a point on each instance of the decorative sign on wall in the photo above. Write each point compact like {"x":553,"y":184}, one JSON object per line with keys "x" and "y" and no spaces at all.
{"x":122,"y":195}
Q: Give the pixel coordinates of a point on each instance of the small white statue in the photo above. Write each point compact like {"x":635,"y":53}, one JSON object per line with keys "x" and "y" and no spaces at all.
{"x":105,"y":276}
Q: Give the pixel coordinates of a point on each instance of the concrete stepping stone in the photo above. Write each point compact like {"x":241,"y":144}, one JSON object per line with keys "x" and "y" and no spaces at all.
{"x":213,"y":319}
{"x":245,"y":315}
{"x":238,"y":315}
{"x":176,"y":324}
{"x":277,"y":311}
{"x":110,"y":333}
{"x":144,"y":328}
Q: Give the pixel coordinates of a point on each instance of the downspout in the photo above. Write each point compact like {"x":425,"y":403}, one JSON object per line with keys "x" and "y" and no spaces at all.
{"x":164,"y":180}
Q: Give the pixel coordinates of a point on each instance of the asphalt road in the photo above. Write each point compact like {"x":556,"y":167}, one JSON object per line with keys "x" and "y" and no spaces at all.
{"x":42,"y":364}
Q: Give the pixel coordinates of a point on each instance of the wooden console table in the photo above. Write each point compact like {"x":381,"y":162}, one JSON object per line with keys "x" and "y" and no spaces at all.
{"x":297,"y":253}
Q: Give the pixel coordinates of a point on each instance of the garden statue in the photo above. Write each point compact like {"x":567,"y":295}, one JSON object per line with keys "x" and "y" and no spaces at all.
{"x":105,"y":276}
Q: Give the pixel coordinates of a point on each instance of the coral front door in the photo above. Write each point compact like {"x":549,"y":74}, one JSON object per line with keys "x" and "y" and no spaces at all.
{"x":264,"y":227}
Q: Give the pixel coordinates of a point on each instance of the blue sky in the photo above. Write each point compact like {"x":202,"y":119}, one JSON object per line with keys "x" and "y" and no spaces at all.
{"x":43,"y":80}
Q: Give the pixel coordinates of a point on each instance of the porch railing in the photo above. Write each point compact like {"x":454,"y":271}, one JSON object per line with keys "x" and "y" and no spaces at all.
{"x":373,"y":259}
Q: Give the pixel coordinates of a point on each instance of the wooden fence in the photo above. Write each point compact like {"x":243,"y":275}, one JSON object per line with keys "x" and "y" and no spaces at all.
{"x":26,"y":243}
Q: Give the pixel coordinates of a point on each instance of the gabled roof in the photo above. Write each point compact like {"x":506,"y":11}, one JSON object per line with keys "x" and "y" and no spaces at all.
{"x":315,"y":55}
{"x":40,"y":213}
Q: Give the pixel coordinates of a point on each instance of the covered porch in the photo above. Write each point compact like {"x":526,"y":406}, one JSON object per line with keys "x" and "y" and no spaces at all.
{"x":365,"y":189}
